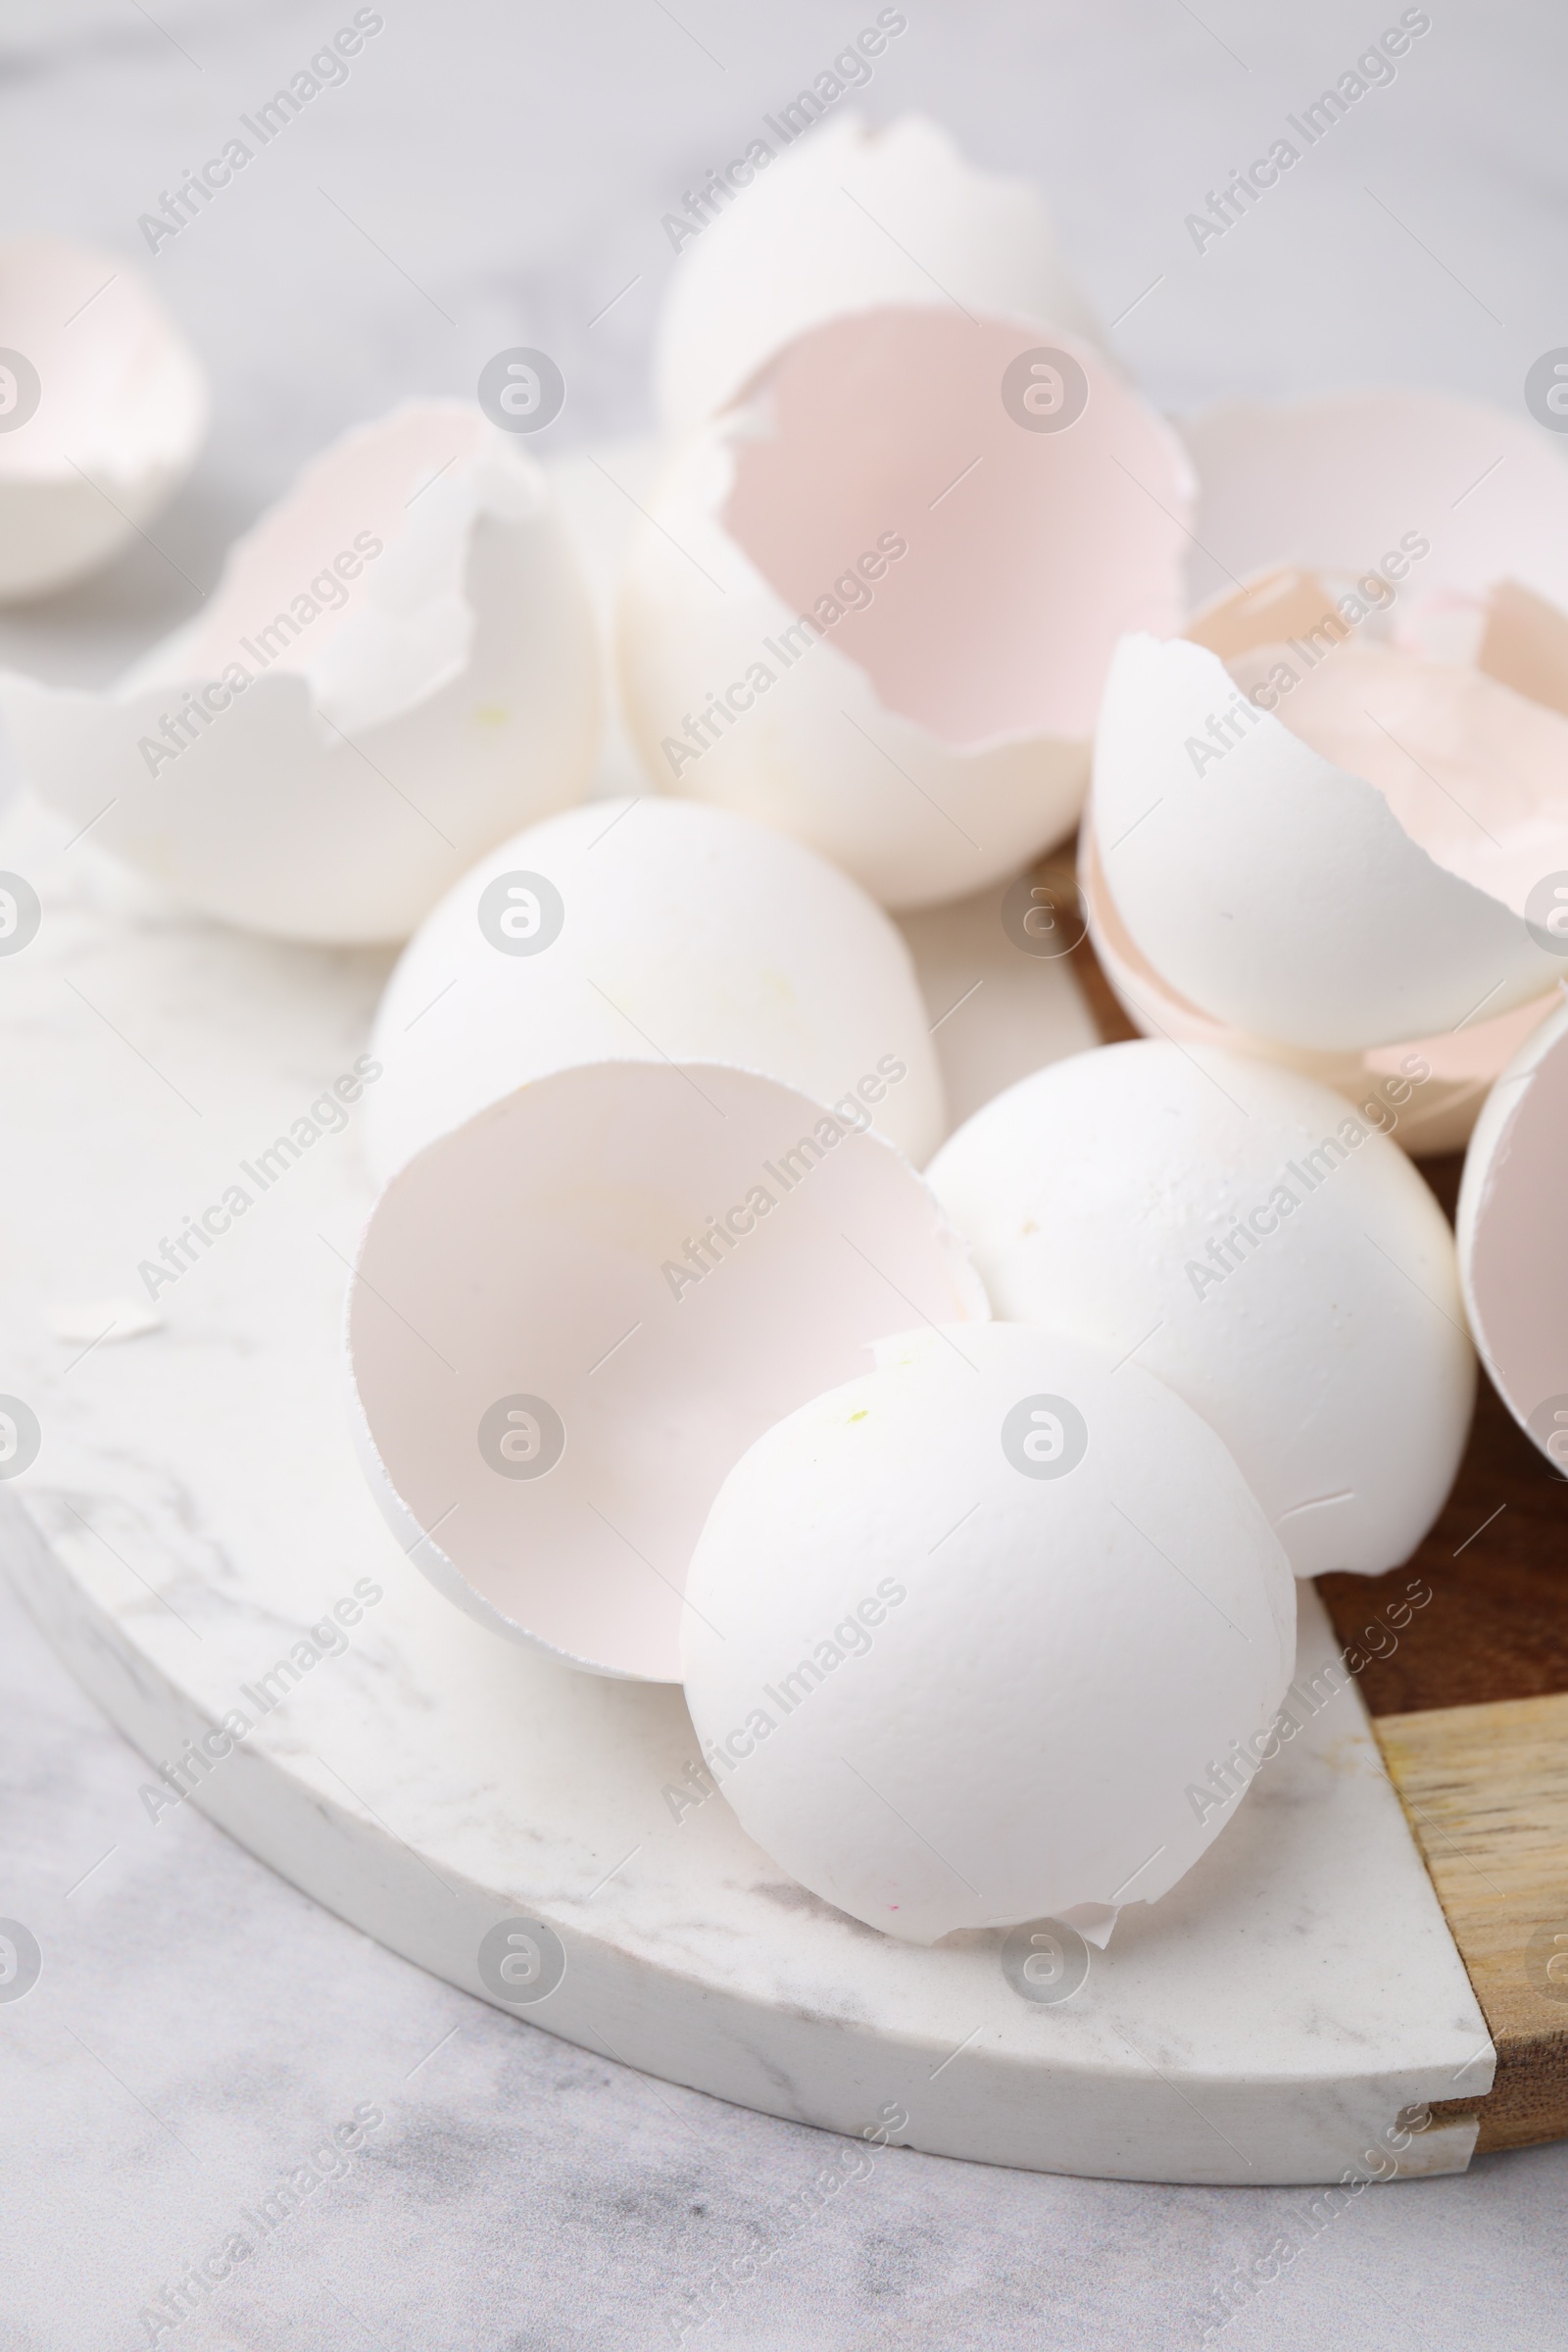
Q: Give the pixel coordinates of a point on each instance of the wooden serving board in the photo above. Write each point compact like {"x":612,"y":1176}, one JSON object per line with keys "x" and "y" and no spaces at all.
{"x":1468,"y":1697}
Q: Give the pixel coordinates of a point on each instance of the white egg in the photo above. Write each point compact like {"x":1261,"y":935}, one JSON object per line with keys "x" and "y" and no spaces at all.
{"x":1328,"y":822}
{"x":1461,"y":1064}
{"x":398,"y":667}
{"x":1513,"y":1256}
{"x":963,"y":1636}
{"x":103,"y":406}
{"x":1259,"y":1245}
{"x":874,"y":605}
{"x":848,"y":218}
{"x":573,"y":1315}
{"x":649,"y":929}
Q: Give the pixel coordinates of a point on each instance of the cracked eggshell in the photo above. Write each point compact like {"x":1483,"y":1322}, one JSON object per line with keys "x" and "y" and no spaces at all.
{"x":1286,"y":896}
{"x":907,"y":601}
{"x":399,"y":665}
{"x":572,"y":1316}
{"x":835,"y":225}
{"x":1512,"y":1256}
{"x":955,"y":1692}
{"x":1427,"y":1115}
{"x":670,"y":932}
{"x":1326,"y":1344}
{"x":1341,"y":886}
{"x":121,"y":411}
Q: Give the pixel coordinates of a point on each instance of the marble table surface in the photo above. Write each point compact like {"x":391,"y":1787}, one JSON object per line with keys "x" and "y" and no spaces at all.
{"x":494,"y":173}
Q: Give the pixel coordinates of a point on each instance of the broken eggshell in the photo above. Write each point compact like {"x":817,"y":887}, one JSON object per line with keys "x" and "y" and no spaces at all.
{"x":398,"y":666}
{"x":848,"y":218}
{"x":1260,"y":1247}
{"x":626,"y":930}
{"x":873,"y":605}
{"x":962,"y":1635}
{"x":1427,"y":1091}
{"x":1332,"y":901}
{"x":1512,"y":1256}
{"x":100,"y":420}
{"x":571,"y":1316}
{"x":1337,"y":840}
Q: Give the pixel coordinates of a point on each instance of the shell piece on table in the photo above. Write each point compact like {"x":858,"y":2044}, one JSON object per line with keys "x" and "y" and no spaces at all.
{"x":848,"y":218}
{"x":963,"y":1636}
{"x":103,"y":407}
{"x":398,"y":667}
{"x":875,"y":602}
{"x":574,"y":1314}
{"x":1256,"y":1244}
{"x":1450,"y":1073}
{"x":657,"y":929}
{"x":1513,"y":1257}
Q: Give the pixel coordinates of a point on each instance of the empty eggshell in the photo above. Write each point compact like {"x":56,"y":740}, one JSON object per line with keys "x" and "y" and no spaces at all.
{"x":873,"y":605}
{"x":397,"y":668}
{"x":1259,"y":1245}
{"x":1513,"y":1255}
{"x":1450,"y":1073}
{"x":649,"y":929}
{"x":1288,"y":896}
{"x":1337,"y":842}
{"x":847,"y":219}
{"x":573,"y":1316}
{"x":103,"y":406}
{"x":962,"y":1635}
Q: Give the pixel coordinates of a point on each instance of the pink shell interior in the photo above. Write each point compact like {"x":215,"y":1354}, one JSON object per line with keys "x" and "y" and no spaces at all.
{"x":1028,"y":553}
{"x":1518,"y":1269}
{"x":530,"y":1255}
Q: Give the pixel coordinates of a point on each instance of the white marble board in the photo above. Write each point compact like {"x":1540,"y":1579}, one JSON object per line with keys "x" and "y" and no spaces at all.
{"x":194,"y":1507}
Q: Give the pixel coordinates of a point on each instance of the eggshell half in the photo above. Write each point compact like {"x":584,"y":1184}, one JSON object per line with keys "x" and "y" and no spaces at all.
{"x":1283,"y":895}
{"x":1426,"y":1114}
{"x":632,"y":930}
{"x":572,"y":1317}
{"x":870,"y":607}
{"x":398,"y":667}
{"x":121,"y":411}
{"x":848,"y":218}
{"x":947,"y":1683}
{"x":1256,"y":1244}
{"x":1513,"y":1255}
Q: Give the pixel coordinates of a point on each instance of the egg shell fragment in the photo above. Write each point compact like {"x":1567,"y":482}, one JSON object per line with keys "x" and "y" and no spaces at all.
{"x":397,"y":668}
{"x":871,"y":609}
{"x":1437,"y":1117}
{"x":558,"y":1351}
{"x":674,"y":933}
{"x":848,"y":218}
{"x":1275,"y":891}
{"x":1262,"y":1249}
{"x":121,"y":410}
{"x":1513,"y":1257}
{"x":952,"y":1693}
